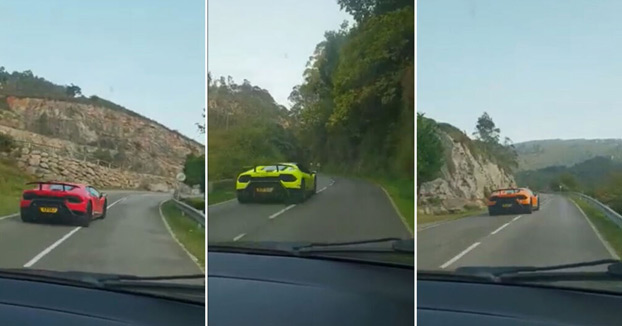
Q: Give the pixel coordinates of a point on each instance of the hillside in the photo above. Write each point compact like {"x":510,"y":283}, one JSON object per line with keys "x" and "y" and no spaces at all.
{"x":52,"y":121}
{"x":245,"y":127}
{"x":467,"y":175}
{"x":540,"y":154}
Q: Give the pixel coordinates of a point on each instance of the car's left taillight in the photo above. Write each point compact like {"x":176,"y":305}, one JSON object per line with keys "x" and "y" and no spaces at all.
{"x":28,"y":196}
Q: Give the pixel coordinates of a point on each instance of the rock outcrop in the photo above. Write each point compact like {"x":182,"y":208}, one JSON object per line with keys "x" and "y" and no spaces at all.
{"x":96,"y":134}
{"x":466,"y":179}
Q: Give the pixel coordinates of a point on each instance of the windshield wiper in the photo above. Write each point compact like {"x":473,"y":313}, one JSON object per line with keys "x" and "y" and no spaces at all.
{"x":396,"y":245}
{"x":615,"y":268}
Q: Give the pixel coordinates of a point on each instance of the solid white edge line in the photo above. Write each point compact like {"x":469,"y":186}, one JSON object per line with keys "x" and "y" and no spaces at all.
{"x":170,"y":231}
{"x":500,"y":228}
{"x":398,"y":212}
{"x":9,"y":216}
{"x":464,"y":252}
{"x":600,"y":237}
{"x":516,"y":218}
{"x":321,"y":190}
{"x":239,"y":236}
{"x":50,"y":248}
{"x":61,"y":240}
{"x":281,"y":211}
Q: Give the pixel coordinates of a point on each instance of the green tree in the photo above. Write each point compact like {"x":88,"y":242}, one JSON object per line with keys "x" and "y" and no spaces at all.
{"x":194,"y":169}
{"x":486,"y":130}
{"x":73,"y":90}
{"x":429,"y":151}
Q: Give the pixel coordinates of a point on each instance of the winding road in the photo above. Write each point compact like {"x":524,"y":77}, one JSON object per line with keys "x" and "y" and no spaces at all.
{"x":342,"y":210}
{"x":132,"y":239}
{"x":559,"y":233}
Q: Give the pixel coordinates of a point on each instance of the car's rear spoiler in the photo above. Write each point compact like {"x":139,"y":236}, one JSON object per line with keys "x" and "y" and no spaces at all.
{"x":41,"y":183}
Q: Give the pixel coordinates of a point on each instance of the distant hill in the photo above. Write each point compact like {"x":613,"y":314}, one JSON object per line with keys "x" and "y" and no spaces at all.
{"x":589,"y":174}
{"x":540,"y":154}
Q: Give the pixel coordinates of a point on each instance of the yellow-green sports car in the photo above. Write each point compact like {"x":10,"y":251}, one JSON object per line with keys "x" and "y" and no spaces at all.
{"x":291,"y":182}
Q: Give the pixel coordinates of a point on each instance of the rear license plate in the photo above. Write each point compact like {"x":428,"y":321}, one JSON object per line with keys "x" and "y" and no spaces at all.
{"x":507,"y":205}
{"x":48,"y":209}
{"x":264,"y":189}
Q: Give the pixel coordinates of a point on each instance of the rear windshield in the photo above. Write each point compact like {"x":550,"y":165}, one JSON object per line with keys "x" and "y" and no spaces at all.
{"x":273,"y":168}
{"x":55,"y":187}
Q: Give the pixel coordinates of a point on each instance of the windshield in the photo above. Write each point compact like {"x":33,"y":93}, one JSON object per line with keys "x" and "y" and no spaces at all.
{"x":326,"y":88}
{"x":518,"y":95}
{"x":99,"y":107}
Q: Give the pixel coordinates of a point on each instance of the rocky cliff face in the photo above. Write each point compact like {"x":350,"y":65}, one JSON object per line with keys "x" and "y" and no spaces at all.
{"x":466,"y":179}
{"x":99,"y":145}
{"x":115,"y":137}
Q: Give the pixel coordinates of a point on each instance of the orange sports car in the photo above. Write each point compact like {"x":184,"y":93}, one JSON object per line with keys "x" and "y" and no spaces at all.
{"x":513,"y":200}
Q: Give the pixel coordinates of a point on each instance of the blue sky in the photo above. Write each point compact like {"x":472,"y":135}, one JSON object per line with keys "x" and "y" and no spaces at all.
{"x":148,"y":56}
{"x":268,"y":42}
{"x":541,"y":68}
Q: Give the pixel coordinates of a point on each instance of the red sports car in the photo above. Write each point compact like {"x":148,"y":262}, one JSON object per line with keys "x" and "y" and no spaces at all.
{"x":49,"y":200}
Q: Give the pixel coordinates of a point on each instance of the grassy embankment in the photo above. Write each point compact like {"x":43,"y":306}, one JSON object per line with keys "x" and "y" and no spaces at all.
{"x":12,"y":181}
{"x":191,"y":236}
{"x":608,"y":229}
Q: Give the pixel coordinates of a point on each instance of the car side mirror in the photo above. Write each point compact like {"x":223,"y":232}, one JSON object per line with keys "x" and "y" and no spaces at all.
{"x":313,"y":172}
{"x":102,"y":195}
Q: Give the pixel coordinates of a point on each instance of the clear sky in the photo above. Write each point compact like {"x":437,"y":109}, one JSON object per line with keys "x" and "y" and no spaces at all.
{"x":268,"y":42}
{"x":541,"y":68}
{"x":147,"y":55}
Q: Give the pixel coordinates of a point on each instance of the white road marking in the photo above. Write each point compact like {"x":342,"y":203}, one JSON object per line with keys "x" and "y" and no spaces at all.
{"x":281,"y":211}
{"x":500,"y":228}
{"x":321,"y":190}
{"x":466,"y":251}
{"x":600,"y":237}
{"x":516,"y":218}
{"x":222,"y":202}
{"x":170,"y":231}
{"x":9,"y":216}
{"x":59,"y":241}
{"x":239,"y":236}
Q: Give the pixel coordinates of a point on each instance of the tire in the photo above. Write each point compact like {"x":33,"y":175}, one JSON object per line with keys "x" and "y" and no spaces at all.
{"x":27,"y":219}
{"x":85,"y":220}
{"x":538,"y":207}
{"x":298,"y":196}
{"x":492,"y":212}
{"x":243,"y":198}
{"x":529,"y":208}
{"x":105,"y":211}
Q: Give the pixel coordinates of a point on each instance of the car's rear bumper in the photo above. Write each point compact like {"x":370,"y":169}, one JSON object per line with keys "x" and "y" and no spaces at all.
{"x":265,"y":190}
{"x":33,"y":211}
{"x":507,"y":207}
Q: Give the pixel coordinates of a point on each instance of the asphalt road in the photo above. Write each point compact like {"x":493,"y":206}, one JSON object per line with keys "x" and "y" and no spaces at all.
{"x":556,"y":234}
{"x":132,"y":239}
{"x":342,"y":210}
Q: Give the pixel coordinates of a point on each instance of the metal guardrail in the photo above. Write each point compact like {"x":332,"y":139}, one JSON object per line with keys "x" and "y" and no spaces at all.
{"x":610,"y":213}
{"x":191,"y":212}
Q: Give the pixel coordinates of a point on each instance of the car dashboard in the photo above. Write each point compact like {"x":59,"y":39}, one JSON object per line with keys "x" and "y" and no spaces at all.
{"x":252,"y":289}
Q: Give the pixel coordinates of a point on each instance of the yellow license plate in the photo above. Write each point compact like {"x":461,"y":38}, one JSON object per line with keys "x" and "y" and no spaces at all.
{"x":48,"y":209}
{"x":264,"y":189}
{"x":507,"y":205}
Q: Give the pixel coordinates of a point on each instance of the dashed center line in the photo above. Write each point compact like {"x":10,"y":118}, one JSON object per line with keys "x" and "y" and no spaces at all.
{"x":239,"y":236}
{"x":500,"y":228}
{"x":61,"y":240}
{"x":281,"y":211}
{"x":464,"y":252}
{"x":321,"y":190}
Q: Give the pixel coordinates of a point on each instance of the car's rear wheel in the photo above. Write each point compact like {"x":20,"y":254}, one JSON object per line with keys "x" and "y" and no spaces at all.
{"x":297,"y":196}
{"x":27,"y":219}
{"x":105,"y":209}
{"x":243,"y":197}
{"x":538,"y":207}
{"x":529,"y":207}
{"x":85,"y":220}
{"x":314,"y":191}
{"x":492,"y":211}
